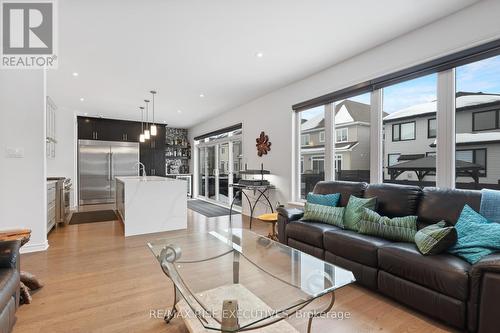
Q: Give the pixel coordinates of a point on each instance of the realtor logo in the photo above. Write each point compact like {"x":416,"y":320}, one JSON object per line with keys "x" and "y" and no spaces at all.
{"x":28,"y":34}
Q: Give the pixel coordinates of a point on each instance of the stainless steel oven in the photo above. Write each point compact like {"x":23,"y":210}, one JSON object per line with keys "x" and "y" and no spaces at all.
{"x":63,"y":197}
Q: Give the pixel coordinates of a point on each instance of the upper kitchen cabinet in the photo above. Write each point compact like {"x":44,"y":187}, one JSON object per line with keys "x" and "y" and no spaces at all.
{"x":86,"y":128}
{"x":108,"y":129}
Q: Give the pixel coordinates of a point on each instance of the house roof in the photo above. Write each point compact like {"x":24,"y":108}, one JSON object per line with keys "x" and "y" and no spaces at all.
{"x":471,"y":138}
{"x":464,"y":100}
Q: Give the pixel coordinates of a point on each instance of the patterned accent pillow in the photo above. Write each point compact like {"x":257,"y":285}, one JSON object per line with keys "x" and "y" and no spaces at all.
{"x":435,"y":238}
{"x":324,"y":199}
{"x":477,"y":236}
{"x":354,"y":210}
{"x":325,"y":214}
{"x":399,"y":229}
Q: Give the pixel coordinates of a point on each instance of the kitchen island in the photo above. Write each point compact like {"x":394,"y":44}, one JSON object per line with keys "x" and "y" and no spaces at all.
{"x":151,"y":204}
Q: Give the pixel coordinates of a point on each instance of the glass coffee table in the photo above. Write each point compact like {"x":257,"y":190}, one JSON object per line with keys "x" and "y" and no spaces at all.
{"x":236,"y":280}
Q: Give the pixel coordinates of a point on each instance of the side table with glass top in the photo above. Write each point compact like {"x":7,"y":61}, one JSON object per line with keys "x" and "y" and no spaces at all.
{"x":265,"y":280}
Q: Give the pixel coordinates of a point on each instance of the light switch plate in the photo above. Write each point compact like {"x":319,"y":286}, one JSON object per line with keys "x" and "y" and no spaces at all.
{"x":12,"y":152}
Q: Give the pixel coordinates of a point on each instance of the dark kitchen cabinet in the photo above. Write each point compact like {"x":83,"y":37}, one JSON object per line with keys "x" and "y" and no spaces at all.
{"x":86,"y":128}
{"x":152,"y":153}
{"x":108,"y":129}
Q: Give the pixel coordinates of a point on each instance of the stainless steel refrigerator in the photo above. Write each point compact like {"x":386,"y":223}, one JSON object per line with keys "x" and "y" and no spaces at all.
{"x":99,"y":162}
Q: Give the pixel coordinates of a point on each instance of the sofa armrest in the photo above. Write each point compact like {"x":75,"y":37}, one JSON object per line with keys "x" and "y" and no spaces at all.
{"x":9,"y":254}
{"x":286,"y":215}
{"x":484,"y":295}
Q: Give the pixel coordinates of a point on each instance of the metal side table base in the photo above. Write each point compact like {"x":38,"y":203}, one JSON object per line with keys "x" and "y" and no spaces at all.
{"x":321,"y":313}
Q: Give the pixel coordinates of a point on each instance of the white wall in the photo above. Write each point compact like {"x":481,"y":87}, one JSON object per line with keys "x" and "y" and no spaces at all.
{"x":23,"y":188}
{"x":64,"y":163}
{"x":273,"y":114}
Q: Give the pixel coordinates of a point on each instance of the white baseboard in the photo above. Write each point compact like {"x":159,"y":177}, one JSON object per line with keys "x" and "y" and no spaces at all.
{"x":35,"y":247}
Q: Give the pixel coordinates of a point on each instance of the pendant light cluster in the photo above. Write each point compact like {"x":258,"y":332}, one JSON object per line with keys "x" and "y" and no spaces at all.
{"x":147,"y":129}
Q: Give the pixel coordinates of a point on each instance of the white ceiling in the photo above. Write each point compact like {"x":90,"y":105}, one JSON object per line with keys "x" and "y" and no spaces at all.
{"x":182,"y":48}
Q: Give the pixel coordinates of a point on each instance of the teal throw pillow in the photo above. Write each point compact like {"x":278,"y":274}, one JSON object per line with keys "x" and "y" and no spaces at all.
{"x":325,"y":214}
{"x":355,"y":209}
{"x":435,"y":238}
{"x":324,"y":199}
{"x":477,"y":236}
{"x":399,"y":229}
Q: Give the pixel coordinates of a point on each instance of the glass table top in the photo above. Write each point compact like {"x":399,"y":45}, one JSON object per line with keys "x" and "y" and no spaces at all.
{"x":206,"y":267}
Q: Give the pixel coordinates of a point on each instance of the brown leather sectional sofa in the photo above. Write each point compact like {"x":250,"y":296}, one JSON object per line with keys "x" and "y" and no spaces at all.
{"x":9,"y":284}
{"x":442,"y":286}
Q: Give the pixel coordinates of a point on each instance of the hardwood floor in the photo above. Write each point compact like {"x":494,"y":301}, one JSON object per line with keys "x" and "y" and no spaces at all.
{"x":98,"y":281}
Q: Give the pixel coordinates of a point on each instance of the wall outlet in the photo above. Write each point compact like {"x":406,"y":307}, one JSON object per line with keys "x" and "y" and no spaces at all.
{"x":11,"y":152}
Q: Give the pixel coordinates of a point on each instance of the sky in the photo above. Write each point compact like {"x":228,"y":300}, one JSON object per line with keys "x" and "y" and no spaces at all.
{"x":480,"y":76}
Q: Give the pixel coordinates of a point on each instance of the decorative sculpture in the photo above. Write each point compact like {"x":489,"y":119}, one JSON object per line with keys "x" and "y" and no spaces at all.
{"x":263,"y":144}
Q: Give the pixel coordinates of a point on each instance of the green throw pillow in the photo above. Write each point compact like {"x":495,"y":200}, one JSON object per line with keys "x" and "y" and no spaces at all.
{"x":354,"y":210}
{"x":399,"y":229}
{"x":435,"y":238}
{"x":325,"y":214}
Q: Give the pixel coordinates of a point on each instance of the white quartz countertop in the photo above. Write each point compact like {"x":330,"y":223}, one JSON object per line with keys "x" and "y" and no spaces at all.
{"x":144,"y":179}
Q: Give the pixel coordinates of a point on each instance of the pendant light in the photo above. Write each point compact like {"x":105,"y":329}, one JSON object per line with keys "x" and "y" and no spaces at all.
{"x":147,"y":133}
{"x":141,"y":136}
{"x":153,"y":126}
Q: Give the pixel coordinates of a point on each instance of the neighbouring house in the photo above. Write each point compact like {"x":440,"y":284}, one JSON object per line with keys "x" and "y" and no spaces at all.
{"x":410,"y":142}
{"x":352,"y":145}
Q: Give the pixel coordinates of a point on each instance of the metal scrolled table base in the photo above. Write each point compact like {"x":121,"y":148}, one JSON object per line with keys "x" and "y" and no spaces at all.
{"x":262,"y":194}
{"x":325,"y":311}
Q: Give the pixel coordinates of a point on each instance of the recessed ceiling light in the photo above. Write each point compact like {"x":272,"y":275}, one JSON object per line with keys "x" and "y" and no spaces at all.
{"x":202,"y":95}
{"x":259,"y":54}
{"x":164,"y":121}
{"x":75,"y":74}
{"x":82,"y":99}
{"x":179,"y":111}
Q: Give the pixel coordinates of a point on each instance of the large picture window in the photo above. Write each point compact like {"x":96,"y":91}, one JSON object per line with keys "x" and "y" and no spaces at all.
{"x":410,"y":128}
{"x":477,"y":138}
{"x":411,"y":122}
{"x":352,"y":139}
{"x":312,"y":149}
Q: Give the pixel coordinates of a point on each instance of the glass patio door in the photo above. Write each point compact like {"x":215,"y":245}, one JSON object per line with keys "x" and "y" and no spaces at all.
{"x":223,"y":173}
{"x":211,"y":172}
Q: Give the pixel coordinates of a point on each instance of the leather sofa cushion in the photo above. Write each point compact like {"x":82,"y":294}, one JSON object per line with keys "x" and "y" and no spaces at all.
{"x":308,"y":232}
{"x":9,"y":284}
{"x":346,"y":189}
{"x":353,"y":246}
{"x":443,"y":273}
{"x":306,"y":248}
{"x":394,"y":200}
{"x":432,"y":303}
{"x":445,"y":204}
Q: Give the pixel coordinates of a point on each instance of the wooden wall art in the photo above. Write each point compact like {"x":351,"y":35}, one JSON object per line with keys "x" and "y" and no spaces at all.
{"x":263,"y":144}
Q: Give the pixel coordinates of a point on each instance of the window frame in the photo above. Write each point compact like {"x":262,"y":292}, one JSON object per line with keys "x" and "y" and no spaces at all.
{"x":496,"y":126}
{"x":481,"y":174}
{"x":339,"y":130}
{"x":318,"y":158}
{"x":414,"y":122}
{"x":308,"y":136}
{"x":429,"y":128}
{"x":322,"y":136}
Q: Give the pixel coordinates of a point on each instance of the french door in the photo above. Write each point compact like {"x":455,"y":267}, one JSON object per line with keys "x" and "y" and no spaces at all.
{"x":219,"y":164}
